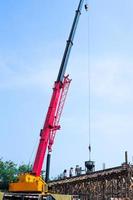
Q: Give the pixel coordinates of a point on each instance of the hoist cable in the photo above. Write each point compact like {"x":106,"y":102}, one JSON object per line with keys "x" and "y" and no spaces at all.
{"x":89,"y":80}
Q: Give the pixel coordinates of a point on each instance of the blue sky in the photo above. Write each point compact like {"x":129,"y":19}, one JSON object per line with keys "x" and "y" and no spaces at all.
{"x":33,"y":35}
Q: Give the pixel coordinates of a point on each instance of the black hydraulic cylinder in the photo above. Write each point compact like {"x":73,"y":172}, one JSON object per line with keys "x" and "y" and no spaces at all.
{"x":69,"y":43}
{"x":47,"y":167}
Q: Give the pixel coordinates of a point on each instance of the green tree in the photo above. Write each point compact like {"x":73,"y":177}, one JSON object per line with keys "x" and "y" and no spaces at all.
{"x":8,"y":173}
{"x":24,"y":168}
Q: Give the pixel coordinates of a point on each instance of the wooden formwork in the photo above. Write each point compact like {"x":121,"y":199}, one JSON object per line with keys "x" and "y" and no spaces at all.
{"x":110,"y":184}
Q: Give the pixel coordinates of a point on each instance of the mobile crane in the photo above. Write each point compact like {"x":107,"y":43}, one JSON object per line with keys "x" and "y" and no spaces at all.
{"x":32,"y":182}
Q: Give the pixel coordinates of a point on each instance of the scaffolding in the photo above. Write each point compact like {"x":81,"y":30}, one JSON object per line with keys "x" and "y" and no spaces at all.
{"x":109,"y":184}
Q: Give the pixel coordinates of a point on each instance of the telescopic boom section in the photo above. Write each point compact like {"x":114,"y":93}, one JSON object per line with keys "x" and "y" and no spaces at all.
{"x":69,"y":43}
{"x":60,"y":90}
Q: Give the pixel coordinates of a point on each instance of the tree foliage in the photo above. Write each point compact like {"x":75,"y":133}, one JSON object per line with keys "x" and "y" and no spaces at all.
{"x":9,"y":172}
{"x":24,"y":168}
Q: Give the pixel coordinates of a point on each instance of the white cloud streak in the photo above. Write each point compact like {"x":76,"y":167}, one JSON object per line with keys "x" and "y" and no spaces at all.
{"x":18,"y":79}
{"x":112,"y":80}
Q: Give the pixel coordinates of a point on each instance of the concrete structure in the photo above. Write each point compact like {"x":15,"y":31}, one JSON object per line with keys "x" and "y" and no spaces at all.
{"x":109,"y":184}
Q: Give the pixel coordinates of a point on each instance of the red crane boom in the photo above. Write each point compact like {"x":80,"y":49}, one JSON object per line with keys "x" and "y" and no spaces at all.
{"x":60,"y":90}
{"x":51,"y":125}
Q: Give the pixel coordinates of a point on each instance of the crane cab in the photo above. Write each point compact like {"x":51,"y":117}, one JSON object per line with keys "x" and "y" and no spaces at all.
{"x":29,"y":183}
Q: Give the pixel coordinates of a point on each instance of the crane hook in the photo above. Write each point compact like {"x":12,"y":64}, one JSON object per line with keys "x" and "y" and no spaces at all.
{"x":86,"y":7}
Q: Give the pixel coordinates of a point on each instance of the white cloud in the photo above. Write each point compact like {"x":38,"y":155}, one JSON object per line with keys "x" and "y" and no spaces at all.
{"x":17,"y":78}
{"x":112,"y":79}
{"x":114,"y":124}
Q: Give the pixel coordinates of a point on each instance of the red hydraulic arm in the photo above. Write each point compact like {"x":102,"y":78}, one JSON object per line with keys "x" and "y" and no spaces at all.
{"x":51,"y":125}
{"x":60,"y":105}
{"x":60,"y":90}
